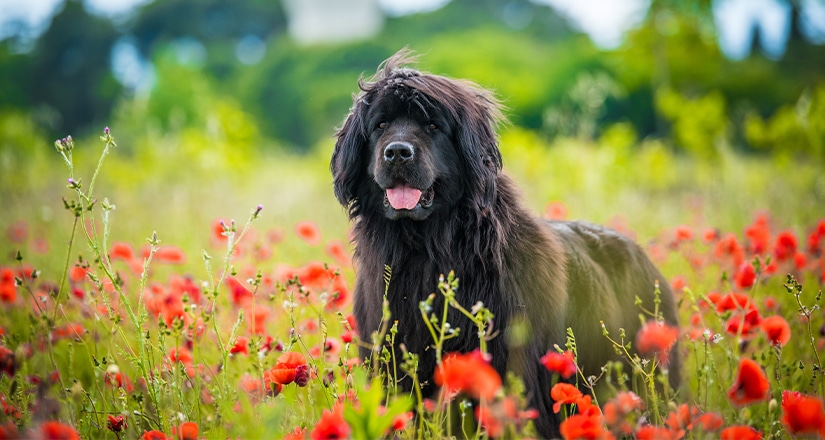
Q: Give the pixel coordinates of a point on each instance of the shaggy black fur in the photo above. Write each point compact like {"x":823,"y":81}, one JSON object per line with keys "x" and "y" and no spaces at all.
{"x":434,"y":138}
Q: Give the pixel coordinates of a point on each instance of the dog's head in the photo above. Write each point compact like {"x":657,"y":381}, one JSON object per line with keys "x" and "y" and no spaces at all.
{"x":416,"y":143}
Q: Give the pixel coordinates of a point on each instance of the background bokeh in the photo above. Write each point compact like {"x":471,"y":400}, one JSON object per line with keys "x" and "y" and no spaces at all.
{"x":646,"y":113}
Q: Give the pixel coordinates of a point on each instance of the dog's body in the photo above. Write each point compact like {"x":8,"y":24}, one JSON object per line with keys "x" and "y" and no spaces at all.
{"x":418,"y":167}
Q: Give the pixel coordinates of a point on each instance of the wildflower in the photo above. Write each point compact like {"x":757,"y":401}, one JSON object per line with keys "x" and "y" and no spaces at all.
{"x":117,"y":423}
{"x":786,"y":245}
{"x":728,"y":247}
{"x":241,"y":346}
{"x":58,"y":431}
{"x":735,"y":301}
{"x":8,"y":363}
{"x":470,"y":373}
{"x":154,"y":435}
{"x":743,"y":325}
{"x":751,"y":384}
{"x":298,"y":433}
{"x":331,"y":426}
{"x":815,"y":238}
{"x":776,"y":329}
{"x":8,"y":288}
{"x":309,"y":232}
{"x":709,"y":422}
{"x":617,"y":410}
{"x":740,"y":432}
{"x":219,"y":235}
{"x":239,"y":294}
{"x":180,"y":354}
{"x":562,"y":363}
{"x":802,"y":414}
{"x":564,"y":394}
{"x":581,"y":426}
{"x":338,"y":252}
{"x":187,"y":431}
{"x":70,"y":330}
{"x":650,"y":432}
{"x":18,"y":232}
{"x":657,"y":338}
{"x":681,"y":420}
{"x":169,"y":254}
{"x":555,"y":211}
{"x":759,"y":234}
{"x":285,"y":370}
{"x":744,"y":276}
{"x":122,"y":251}
{"x":9,"y":431}
{"x":302,"y":375}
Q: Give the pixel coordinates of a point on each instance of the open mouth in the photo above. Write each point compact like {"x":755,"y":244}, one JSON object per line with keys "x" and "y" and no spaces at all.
{"x":405,"y":197}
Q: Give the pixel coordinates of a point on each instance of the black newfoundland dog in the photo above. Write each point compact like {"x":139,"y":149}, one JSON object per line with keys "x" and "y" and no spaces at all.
{"x":417,"y":165}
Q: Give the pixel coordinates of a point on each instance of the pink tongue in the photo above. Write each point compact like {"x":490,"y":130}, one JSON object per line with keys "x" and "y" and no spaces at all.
{"x":403,"y":197}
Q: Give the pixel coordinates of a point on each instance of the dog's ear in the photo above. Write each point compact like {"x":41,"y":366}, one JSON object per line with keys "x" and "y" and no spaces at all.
{"x":347,"y":163}
{"x":478,"y":147}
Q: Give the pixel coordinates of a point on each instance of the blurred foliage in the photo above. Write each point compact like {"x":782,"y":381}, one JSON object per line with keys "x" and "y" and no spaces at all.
{"x":668,"y":80}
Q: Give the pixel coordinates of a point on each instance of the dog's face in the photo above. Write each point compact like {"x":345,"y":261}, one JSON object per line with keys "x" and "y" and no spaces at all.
{"x":413,"y":160}
{"x":415,"y":144}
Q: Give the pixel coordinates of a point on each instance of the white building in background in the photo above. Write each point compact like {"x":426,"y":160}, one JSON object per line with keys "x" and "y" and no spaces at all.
{"x":324,"y":21}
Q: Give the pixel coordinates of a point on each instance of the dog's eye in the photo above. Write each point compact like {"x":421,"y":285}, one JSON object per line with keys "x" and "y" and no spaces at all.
{"x":432,"y":127}
{"x":382,"y":125}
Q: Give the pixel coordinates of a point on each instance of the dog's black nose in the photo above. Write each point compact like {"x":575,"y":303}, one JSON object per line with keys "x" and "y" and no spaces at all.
{"x":398,"y":152}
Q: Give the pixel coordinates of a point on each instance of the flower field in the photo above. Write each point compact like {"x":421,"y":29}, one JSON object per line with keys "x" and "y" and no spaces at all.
{"x":250,"y":336}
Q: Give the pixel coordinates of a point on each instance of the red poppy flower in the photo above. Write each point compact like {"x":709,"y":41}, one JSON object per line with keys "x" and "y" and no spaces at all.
{"x":121,"y":251}
{"x":181,"y":354}
{"x":218,"y":235}
{"x":309,"y":232}
{"x":17,"y":232}
{"x":682,"y":233}
{"x":617,"y":409}
{"x":562,"y":363}
{"x":740,"y":432}
{"x":187,"y":431}
{"x":776,"y":329}
{"x":733,"y":301}
{"x":650,"y":432}
{"x":580,"y":426}
{"x":298,"y":433}
{"x":555,"y":211}
{"x":117,"y":423}
{"x":154,"y":435}
{"x":682,"y":419}
{"x":241,"y":346}
{"x":338,"y":252}
{"x":9,"y":431}
{"x":58,"y":431}
{"x":759,"y":234}
{"x":802,"y":414}
{"x":470,"y":373}
{"x":332,"y":425}
{"x":786,"y":245}
{"x":815,"y":238}
{"x":657,"y":338}
{"x":77,"y":274}
{"x":709,"y":421}
{"x":8,"y":363}
{"x":401,"y":421}
{"x":564,"y":394}
{"x":728,"y":247}
{"x":743,"y":325}
{"x":169,"y":255}
{"x":8,"y":289}
{"x":285,"y":369}
{"x":751,"y":384}
{"x":744,"y":276}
